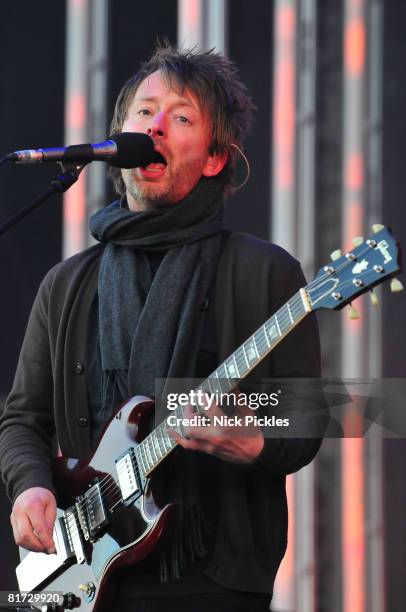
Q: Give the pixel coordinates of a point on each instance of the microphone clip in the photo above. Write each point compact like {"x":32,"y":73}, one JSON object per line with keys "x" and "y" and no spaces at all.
{"x":69,"y":176}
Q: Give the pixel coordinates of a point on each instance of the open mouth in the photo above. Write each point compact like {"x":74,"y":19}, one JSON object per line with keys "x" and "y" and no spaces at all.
{"x":158,"y":164}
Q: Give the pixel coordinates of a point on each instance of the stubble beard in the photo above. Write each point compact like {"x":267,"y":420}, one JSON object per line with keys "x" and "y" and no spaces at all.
{"x":151,"y":196}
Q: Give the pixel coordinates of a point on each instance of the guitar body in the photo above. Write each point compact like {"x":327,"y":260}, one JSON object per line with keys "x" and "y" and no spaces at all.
{"x":127,"y":531}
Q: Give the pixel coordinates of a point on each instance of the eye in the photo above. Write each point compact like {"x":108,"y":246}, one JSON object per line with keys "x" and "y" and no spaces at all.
{"x":183,"y":119}
{"x":144,"y":112}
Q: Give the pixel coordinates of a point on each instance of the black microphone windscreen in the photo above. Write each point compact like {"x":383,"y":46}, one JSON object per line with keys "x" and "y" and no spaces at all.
{"x":133,"y":150}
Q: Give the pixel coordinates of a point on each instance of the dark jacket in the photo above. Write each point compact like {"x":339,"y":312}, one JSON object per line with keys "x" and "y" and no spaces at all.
{"x":49,"y":393}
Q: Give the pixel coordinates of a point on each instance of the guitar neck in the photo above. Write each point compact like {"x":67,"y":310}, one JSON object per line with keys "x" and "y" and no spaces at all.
{"x":158,"y":444}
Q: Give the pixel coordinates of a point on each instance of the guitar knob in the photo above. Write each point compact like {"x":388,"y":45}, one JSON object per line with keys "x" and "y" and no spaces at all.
{"x":70,"y":601}
{"x":336,"y":255}
{"x":353,"y":312}
{"x":374,"y":299}
{"x":358,"y":240}
{"x":377,"y":227}
{"x":89,"y":590}
{"x":396,"y":285}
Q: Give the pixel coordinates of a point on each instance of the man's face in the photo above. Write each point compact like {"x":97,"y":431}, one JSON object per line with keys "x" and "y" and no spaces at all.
{"x":181,"y":133}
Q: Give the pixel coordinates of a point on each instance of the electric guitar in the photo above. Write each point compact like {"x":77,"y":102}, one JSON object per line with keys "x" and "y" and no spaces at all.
{"x":109,"y":513}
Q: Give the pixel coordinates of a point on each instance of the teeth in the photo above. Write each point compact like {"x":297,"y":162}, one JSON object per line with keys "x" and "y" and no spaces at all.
{"x":155,"y":167}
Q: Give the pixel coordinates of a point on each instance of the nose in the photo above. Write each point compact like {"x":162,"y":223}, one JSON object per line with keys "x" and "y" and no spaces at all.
{"x":157,"y":127}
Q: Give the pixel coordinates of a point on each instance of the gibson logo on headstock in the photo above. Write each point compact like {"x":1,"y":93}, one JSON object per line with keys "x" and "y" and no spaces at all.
{"x":383,"y":247}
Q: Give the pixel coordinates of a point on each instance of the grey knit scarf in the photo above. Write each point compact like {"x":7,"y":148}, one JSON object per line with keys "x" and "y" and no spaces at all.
{"x":149,"y":326}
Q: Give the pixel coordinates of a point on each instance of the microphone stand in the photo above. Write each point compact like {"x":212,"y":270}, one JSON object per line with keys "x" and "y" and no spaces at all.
{"x":59,"y":184}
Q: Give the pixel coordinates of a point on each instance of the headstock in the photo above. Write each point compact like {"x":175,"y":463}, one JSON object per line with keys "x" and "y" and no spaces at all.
{"x":348,"y":276}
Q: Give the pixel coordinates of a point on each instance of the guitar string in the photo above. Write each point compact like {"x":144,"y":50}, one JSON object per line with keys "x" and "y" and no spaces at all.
{"x":293,"y":303}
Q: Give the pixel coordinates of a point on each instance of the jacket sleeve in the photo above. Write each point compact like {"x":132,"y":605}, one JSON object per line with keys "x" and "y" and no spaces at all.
{"x":27,"y":423}
{"x":294,"y":372}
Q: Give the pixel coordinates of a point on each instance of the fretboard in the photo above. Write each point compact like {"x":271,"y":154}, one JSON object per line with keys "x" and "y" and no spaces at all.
{"x":158,"y":444}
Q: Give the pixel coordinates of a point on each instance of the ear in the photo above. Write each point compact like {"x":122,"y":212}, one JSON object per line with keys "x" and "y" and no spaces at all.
{"x":215,"y":163}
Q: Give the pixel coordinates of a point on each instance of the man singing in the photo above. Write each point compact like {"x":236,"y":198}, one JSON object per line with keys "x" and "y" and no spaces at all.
{"x":167,"y":293}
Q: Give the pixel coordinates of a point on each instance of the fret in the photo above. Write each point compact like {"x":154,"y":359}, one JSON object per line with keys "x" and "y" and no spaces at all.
{"x":157,"y":449}
{"x":251,"y":352}
{"x":219,"y":381}
{"x":148,"y":452}
{"x":151,"y":445}
{"x":140,"y":459}
{"x":142,"y":446}
{"x":167,"y":439}
{"x":213,"y":383}
{"x":160,"y":441}
{"x":224,"y":379}
{"x":284,"y":323}
{"x":226,"y":376}
{"x":231,"y":370}
{"x":236,"y":366}
{"x":245,"y":356}
{"x":241,"y":363}
{"x":255,"y":345}
{"x":209,"y":385}
{"x":277,"y":324}
{"x":261,"y":341}
{"x":272,"y":330}
{"x":290,"y":314}
{"x":299,"y":306}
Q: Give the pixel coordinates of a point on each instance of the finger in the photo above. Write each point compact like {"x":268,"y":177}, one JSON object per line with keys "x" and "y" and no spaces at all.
{"x":50,"y":516}
{"x":24,"y":535}
{"x":41,"y":529}
{"x":191,"y":443}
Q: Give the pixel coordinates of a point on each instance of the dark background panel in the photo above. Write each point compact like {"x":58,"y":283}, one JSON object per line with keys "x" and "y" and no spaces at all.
{"x":133,"y":35}
{"x":31,"y":110}
{"x":328,"y":178}
{"x":250,"y":47}
{"x":394,"y":305}
{"x":32,"y":59}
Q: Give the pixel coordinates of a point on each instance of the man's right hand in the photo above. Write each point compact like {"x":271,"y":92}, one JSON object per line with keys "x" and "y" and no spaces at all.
{"x":32,"y":519}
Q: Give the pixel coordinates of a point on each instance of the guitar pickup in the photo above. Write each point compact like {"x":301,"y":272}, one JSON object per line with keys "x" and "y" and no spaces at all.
{"x":127,"y":476}
{"x":95,"y":511}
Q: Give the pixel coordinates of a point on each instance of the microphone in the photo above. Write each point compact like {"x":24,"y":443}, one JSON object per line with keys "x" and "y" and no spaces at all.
{"x":124,"y":150}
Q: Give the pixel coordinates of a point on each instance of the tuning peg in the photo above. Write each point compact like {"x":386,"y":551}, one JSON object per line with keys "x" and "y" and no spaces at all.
{"x":336,"y":255}
{"x":396,"y":285}
{"x":374,"y":299}
{"x":358,"y":240}
{"x":353,"y":312}
{"x":377,"y":227}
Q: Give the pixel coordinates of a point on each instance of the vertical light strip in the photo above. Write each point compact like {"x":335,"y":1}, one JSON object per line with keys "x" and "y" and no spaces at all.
{"x":375,"y":601}
{"x":190,"y":31}
{"x":75,"y":120}
{"x":283,"y":124}
{"x":202,"y":23}
{"x":97,"y":101}
{"x":353,"y":350}
{"x":283,"y":215}
{"x":306,"y":54}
